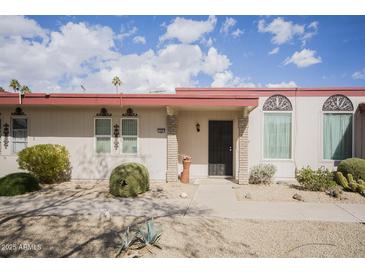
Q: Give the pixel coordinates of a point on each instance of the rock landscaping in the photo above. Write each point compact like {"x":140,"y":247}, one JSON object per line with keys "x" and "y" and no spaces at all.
{"x":86,"y":236}
{"x":298,"y":197}
{"x":284,"y":192}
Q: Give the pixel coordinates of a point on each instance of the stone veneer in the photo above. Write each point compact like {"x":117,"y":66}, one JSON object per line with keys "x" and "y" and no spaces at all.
{"x":172,"y":149}
{"x":243,"y":150}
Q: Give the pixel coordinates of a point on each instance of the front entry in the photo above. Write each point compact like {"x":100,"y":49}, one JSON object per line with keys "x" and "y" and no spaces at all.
{"x":220,"y":148}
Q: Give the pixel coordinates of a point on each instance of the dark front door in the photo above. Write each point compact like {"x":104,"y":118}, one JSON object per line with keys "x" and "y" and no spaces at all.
{"x":220,"y":148}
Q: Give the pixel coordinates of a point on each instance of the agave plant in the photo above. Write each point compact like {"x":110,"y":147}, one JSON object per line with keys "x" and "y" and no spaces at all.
{"x":150,"y":236}
{"x":128,"y":239}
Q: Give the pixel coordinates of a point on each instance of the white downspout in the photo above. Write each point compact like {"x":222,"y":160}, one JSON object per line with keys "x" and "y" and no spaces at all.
{"x":20,"y":97}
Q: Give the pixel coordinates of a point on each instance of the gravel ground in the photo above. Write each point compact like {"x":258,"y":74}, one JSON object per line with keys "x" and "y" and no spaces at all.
{"x":76,"y":236}
{"x":283,"y":192}
{"x":100,"y":190}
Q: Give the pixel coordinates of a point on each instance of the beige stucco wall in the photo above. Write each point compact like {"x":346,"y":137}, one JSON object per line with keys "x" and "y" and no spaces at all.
{"x":195,"y":143}
{"x":307,"y":117}
{"x":74,"y":128}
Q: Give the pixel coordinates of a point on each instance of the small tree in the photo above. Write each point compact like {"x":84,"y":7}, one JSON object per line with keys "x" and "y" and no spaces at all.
{"x":14,"y":84}
{"x":116,"y":82}
{"x":2,"y":90}
{"x":25,"y":89}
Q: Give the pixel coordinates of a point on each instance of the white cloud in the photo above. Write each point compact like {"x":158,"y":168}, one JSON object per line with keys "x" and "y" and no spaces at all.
{"x":282,"y":31}
{"x":227,"y":79}
{"x":207,"y":42}
{"x":359,"y":75}
{"x":228,"y":23}
{"x":237,"y":33}
{"x":79,"y":53}
{"x":227,"y":27}
{"x":312,"y":31}
{"x":187,"y":30}
{"x":290,"y":84}
{"x":20,"y":26}
{"x":274,"y":51}
{"x":126,"y":32}
{"x":304,"y":58}
{"x":313,"y":25}
{"x":73,"y":50}
{"x":215,"y":62}
{"x":139,"y":40}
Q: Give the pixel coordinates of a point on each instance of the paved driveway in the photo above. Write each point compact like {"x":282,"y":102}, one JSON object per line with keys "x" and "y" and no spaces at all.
{"x":214,"y":198}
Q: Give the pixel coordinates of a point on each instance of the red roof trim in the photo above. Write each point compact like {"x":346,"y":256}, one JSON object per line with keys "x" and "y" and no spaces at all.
{"x":265,"y":92}
{"x":182,"y":97}
{"x":130,"y":99}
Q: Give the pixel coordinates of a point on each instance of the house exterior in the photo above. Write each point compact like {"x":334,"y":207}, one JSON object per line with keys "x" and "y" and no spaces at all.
{"x":226,"y":131}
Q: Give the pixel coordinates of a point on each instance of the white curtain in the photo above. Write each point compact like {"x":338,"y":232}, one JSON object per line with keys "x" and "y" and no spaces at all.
{"x":277,"y":139}
{"x":337,"y":136}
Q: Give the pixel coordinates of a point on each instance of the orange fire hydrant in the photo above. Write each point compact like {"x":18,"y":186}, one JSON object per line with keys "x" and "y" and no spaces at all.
{"x":185,"y":174}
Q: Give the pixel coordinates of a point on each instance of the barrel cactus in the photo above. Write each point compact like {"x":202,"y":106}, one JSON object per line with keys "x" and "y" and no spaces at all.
{"x":129,"y":180}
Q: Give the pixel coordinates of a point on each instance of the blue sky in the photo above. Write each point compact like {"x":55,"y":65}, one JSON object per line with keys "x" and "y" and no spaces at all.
{"x":61,"y":53}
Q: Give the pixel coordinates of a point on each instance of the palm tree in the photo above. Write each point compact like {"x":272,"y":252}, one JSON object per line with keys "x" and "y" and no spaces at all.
{"x":2,"y":90}
{"x":116,"y":82}
{"x":14,"y":84}
{"x":25,"y":89}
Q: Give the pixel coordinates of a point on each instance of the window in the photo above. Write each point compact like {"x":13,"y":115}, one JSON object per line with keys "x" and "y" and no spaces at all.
{"x":277,"y":135}
{"x":277,"y":127}
{"x":129,"y":135}
{"x":20,"y":134}
{"x":103,"y":134}
{"x":337,"y":127}
{"x":337,"y":136}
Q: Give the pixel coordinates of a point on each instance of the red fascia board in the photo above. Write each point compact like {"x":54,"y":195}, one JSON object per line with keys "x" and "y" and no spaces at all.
{"x":129,"y":99}
{"x":183,"y":96}
{"x":191,"y":102}
{"x":266,"y":92}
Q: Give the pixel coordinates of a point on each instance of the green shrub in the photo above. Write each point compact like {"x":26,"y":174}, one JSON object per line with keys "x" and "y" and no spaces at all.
{"x":18,"y":183}
{"x":316,"y":180}
{"x":262,"y":174}
{"x":129,"y":180}
{"x":354,"y":166}
{"x":49,"y":163}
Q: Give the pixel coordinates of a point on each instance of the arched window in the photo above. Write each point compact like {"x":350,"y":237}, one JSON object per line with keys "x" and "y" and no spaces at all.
{"x":337,"y":127}
{"x":277,"y":103}
{"x":277,"y":127}
{"x":338,"y":102}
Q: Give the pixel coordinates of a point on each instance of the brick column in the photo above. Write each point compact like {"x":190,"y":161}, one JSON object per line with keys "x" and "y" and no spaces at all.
{"x":172,"y":147}
{"x":243,"y":172}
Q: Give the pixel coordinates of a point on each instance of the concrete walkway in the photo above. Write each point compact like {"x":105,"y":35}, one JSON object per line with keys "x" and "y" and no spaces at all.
{"x":214,"y":198}
{"x":217,"y":198}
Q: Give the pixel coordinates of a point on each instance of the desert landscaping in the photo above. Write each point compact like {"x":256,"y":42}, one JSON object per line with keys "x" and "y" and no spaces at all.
{"x":43,"y":226}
